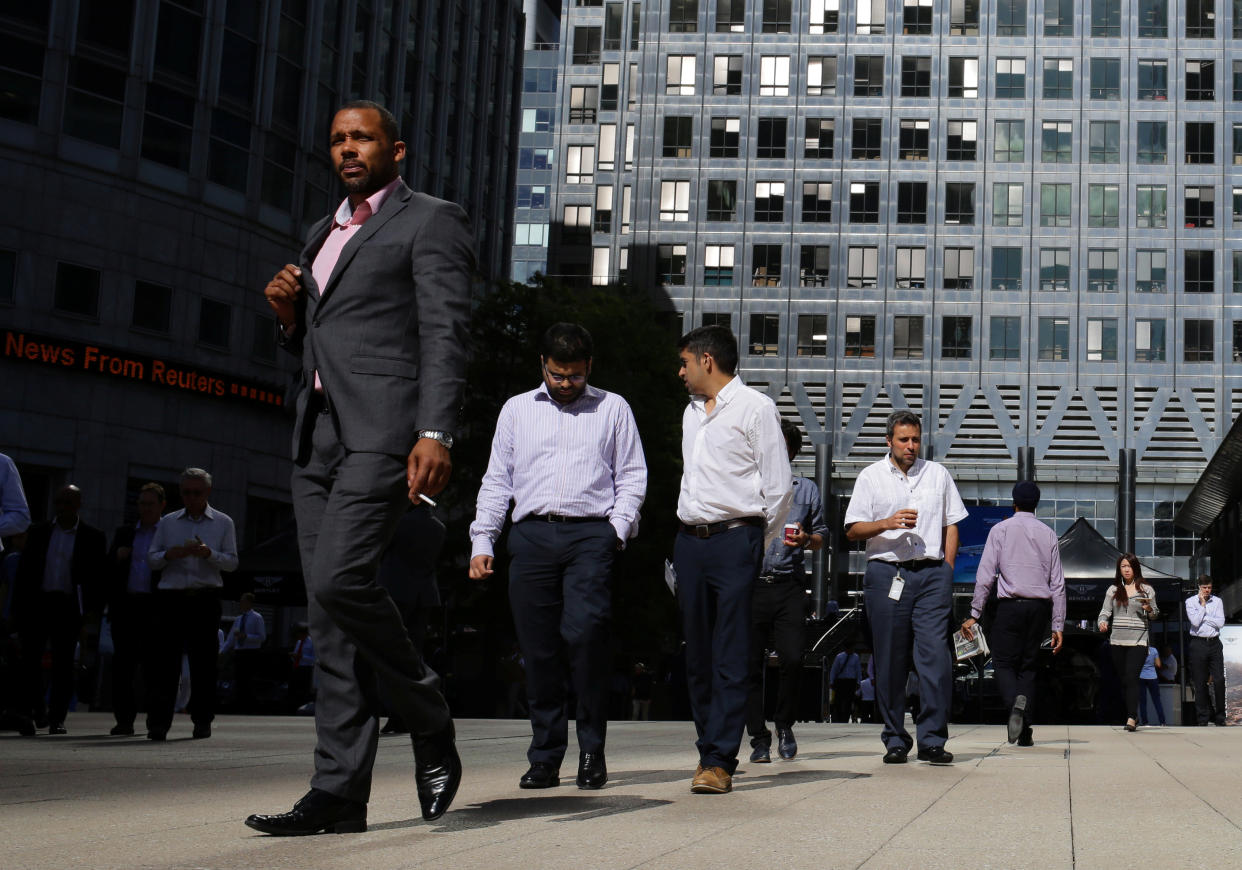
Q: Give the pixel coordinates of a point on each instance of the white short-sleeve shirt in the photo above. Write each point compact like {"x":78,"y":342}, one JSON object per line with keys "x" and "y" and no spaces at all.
{"x":882,"y":489}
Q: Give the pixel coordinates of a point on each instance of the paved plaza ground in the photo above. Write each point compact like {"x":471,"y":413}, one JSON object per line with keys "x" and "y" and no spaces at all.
{"x":1082,"y":797}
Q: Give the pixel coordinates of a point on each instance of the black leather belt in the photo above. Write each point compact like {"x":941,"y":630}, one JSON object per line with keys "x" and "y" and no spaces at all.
{"x":916,"y":564}
{"x":773,"y":577}
{"x":706,"y":530}
{"x":561,"y":518}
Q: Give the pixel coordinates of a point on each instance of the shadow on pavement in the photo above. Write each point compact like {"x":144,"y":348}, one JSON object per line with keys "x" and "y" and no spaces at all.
{"x":790,"y":777}
{"x":578,"y":808}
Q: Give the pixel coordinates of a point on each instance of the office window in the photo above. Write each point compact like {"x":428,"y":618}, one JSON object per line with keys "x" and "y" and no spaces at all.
{"x":671,"y":264}
{"x":1197,"y":344}
{"x":583,"y":104}
{"x":1153,"y":142}
{"x":821,"y":76}
{"x":766,"y":265}
{"x":727,"y":74}
{"x":600,"y":276}
{"x":1200,"y":80}
{"x":867,"y":140}
{"x":1103,"y":205}
{"x":576,"y":224}
{"x":1104,"y":139}
{"x":765,"y":335}
{"x":1006,"y":268}
{"x":860,"y":336}
{"x":824,"y":16}
{"x":1106,"y":18}
{"x":862,"y":265}
{"x":1006,"y":204}
{"x":533,"y":235}
{"x":1005,"y":339}
{"x":1058,"y":18}
{"x":1009,"y":142}
{"x":773,"y":76}
{"x":1237,"y":144}
{"x":959,"y":268}
{"x":864,"y":202}
{"x":1237,"y":341}
{"x":721,"y":199}
{"x":1200,"y":277}
{"x":537,"y":120}
{"x":679,"y":78}
{"x":610,"y":83}
{"x":815,"y":265}
{"x":77,"y":290}
{"x":1010,"y":78}
{"x":963,"y":17}
{"x":580,"y":164}
{"x":1054,"y":338}
{"x":607,"y":159}
{"x":532,"y":196}
{"x":603,"y":209}
{"x":1054,"y":269}
{"x":717,"y":318}
{"x":915,"y":76}
{"x":812,"y":335}
{"x":959,"y":203}
{"x":1105,"y":78}
{"x":955,"y":338}
{"x":725,"y":136}
{"x":907,"y":337}
{"x":674,"y":200}
{"x":964,"y":77}
{"x":1057,"y":142}
{"x":1151,"y":271}
{"x":1200,"y":207}
{"x":214,"y":320}
{"x":678,"y":136}
{"x":683,"y":16}
{"x":1237,"y":206}
{"x":94,"y":102}
{"x":626,"y":203}
{"x":586,"y":45}
{"x":869,"y":16}
{"x":770,"y":201}
{"x":916,"y":17}
{"x":1101,"y":339}
{"x":1011,"y":17}
{"x":1201,"y":19}
{"x":1200,"y":142}
{"x":8,"y":275}
{"x":613,"y":24}
{"x":913,"y":139}
{"x":168,"y":127}
{"x":1153,"y":80}
{"x":1149,"y":341}
{"x":1237,"y":271}
{"x":817,"y":201}
{"x":771,"y":139}
{"x":1102,"y":270}
{"x":962,"y":139}
{"x":819,"y":138}
{"x":536,"y":158}
{"x":911,"y":268}
{"x":911,"y":202}
{"x":869,"y":75}
{"x":1058,"y":78}
{"x":730,"y":16}
{"x":718,"y":263}
{"x":1153,"y":18}
{"x":1055,"y":202}
{"x":777,"y":16}
{"x":153,"y":307}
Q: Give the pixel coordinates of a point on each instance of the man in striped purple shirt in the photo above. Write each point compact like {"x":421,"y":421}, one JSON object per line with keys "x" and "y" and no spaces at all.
{"x":569,"y":457}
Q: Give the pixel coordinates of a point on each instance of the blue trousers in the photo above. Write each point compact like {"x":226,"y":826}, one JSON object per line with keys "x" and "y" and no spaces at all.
{"x":913,"y":630}
{"x":715,"y":584}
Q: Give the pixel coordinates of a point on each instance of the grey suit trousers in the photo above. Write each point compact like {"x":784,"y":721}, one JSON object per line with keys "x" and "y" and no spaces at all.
{"x":347,"y":507}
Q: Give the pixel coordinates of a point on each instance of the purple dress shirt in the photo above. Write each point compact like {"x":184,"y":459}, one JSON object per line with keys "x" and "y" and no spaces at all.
{"x":1026,"y":555}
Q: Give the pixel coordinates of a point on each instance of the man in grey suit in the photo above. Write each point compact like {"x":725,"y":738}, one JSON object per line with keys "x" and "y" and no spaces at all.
{"x":377,"y":311}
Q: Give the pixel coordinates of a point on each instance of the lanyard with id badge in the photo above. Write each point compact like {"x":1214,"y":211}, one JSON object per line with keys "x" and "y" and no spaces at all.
{"x":899,"y":583}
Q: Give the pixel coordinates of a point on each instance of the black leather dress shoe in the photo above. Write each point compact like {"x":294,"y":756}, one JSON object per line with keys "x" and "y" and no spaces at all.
{"x":201,"y":732}
{"x":896,"y":755}
{"x":437,"y":772}
{"x":936,"y":755}
{"x":592,"y":772}
{"x":761,"y":754}
{"x":57,"y":728}
{"x":786,"y":744}
{"x":541,"y":775}
{"x":317,"y":811}
{"x":1026,"y":738}
{"x":122,"y":731}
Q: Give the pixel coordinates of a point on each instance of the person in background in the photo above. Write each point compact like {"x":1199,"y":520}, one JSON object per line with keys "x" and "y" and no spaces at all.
{"x":302,"y":677}
{"x":246,"y":638}
{"x":1129,"y":606}
{"x":844,"y":676}
{"x":1167,"y":669}
{"x":866,"y":700}
{"x":640,"y":693}
{"x":1206,"y":614}
{"x":1150,"y":686}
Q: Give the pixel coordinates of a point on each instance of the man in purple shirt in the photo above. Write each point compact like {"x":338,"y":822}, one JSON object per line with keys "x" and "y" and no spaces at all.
{"x":1026,"y":557}
{"x":569,"y":457}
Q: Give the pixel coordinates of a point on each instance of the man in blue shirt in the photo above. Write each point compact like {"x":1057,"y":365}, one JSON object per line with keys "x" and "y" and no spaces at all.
{"x":778,"y":610}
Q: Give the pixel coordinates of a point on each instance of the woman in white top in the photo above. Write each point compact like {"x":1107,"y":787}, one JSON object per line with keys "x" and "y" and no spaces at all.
{"x":1129,"y":606}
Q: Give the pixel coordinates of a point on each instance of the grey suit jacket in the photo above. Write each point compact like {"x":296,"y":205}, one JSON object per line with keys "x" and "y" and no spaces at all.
{"x":387,"y":334}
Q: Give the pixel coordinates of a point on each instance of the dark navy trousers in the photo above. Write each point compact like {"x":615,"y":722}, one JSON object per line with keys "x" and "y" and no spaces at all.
{"x":559,"y":591}
{"x":918,"y":624}
{"x":715,"y":584}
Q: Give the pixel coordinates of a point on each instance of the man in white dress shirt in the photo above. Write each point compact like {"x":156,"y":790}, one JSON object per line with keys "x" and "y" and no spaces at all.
{"x":736,"y":488}
{"x":1205,"y":655}
{"x":246,"y":638}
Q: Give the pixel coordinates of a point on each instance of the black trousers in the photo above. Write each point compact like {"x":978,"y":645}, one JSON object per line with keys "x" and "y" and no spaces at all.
{"x":843,"y":691}
{"x":559,"y":591}
{"x":1018,"y":629}
{"x":50,"y":619}
{"x":1128,"y":662}
{"x":347,"y":506}
{"x":246,"y":663}
{"x":188,"y":621}
{"x":778,"y":622}
{"x":135,"y":646}
{"x":1205,"y":656}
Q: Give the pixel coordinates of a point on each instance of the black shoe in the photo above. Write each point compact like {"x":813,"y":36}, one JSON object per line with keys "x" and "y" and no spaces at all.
{"x":317,"y":811}
{"x":437,"y":772}
{"x":1017,"y":718}
{"x":26,"y":727}
{"x":761,"y":754}
{"x":936,"y":755}
{"x":122,"y":731}
{"x":896,"y":755}
{"x":786,"y":745}
{"x":1221,"y":722}
{"x":57,"y":728}
{"x":592,"y":772}
{"x":40,"y":720}
{"x":541,"y":775}
{"x":157,"y":736}
{"x":202,"y":731}
{"x":1026,"y":738}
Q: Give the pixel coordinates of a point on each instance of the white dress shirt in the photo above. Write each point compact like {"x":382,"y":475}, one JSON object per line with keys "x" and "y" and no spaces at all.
{"x":735,"y":463}
{"x":57,"y":573}
{"x":882,"y":489}
{"x":213,"y":528}
{"x":1205,"y":621}
{"x":251,"y":627}
{"x":14,"y":513}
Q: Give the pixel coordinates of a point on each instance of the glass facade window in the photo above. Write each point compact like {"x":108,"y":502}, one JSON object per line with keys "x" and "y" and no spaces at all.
{"x":1055,"y":204}
{"x":730,"y":16}
{"x":770,"y":201}
{"x":1009,"y":142}
{"x":1198,"y":344}
{"x":961,"y":140}
{"x":963,"y":17}
{"x":1199,"y":272}
{"x":821,"y":77}
{"x":1054,"y":269}
{"x":1153,"y":18}
{"x":1103,"y":205}
{"x":1103,"y":268}
{"x":683,"y":16}
{"x":1011,"y":17}
{"x":1200,"y":207}
{"x":766,"y":263}
{"x":1104,"y":141}
{"x":674,"y":200}
{"x":916,"y":76}
{"x":859,"y":336}
{"x":1200,"y":142}
{"x":959,"y":203}
{"x":1005,"y":337}
{"x":916,"y":17}
{"x":1054,"y":338}
{"x":1006,"y":268}
{"x":911,"y":202}
{"x":153,"y":307}
{"x":1200,"y":80}
{"x":774,"y":76}
{"x":1010,"y":78}
{"x":955,"y":338}
{"x":679,"y":76}
{"x":583,"y":104}
{"x":1058,"y":18}
{"x":1106,"y":18}
{"x":678,"y":136}
{"x":94,"y":103}
{"x":587,"y":42}
{"x":819,"y":138}
{"x":1237,"y":271}
{"x":823,"y":17}
{"x":862,"y":266}
{"x":1149,"y":340}
{"x":718,"y":264}
{"x":1151,"y":206}
{"x":671,"y":264}
{"x":1007,"y":203}
{"x":1058,"y":78}
{"x":8,"y":276}
{"x":1151,"y":268}
{"x":725,"y":137}
{"x":721,"y":199}
{"x":770,"y":143}
{"x":727,"y":74}
{"x":817,"y":201}
{"x":214,"y":323}
{"x":1201,"y":19}
{"x":911,"y":268}
{"x":813,"y":335}
{"x":765,"y":335}
{"x":1153,"y":80}
{"x":963,"y":77}
{"x":1237,"y":80}
{"x":77,"y":290}
{"x":913,"y":142}
{"x":869,"y":75}
{"x":865,"y":202}
{"x":1057,"y":142}
{"x":1101,"y":339}
{"x":1105,"y":78}
{"x":959,"y":268}
{"x":869,"y":17}
{"x":815,"y":266}
{"x":867,"y":141}
{"x":907,"y":337}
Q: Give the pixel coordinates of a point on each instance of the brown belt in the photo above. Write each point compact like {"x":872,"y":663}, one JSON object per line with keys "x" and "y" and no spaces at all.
{"x":706,"y":530}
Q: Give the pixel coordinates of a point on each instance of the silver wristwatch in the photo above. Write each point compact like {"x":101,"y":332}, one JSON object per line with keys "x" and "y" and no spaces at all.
{"x":445,"y":438}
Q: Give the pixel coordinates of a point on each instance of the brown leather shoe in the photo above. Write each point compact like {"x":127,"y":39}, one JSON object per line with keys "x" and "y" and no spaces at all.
{"x":712,"y":780}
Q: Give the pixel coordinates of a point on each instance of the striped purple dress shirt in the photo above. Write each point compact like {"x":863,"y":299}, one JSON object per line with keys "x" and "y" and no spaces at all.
{"x":583,"y":459}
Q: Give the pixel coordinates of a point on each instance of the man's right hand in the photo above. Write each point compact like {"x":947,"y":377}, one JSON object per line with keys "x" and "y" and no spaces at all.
{"x":481,"y":567}
{"x":903,"y":519}
{"x":176,"y":553}
{"x":283,"y":291}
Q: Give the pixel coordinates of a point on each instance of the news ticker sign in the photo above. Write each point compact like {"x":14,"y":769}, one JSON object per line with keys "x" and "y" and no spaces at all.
{"x":76,"y":356}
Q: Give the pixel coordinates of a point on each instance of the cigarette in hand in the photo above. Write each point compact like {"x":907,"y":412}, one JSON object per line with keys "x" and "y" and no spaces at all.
{"x":429,"y":501}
